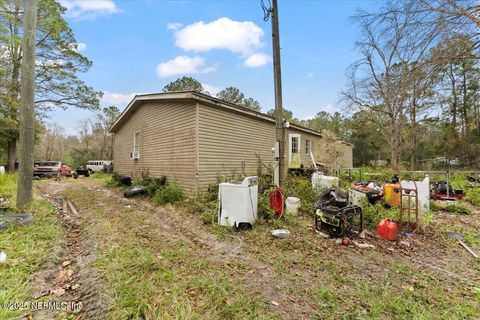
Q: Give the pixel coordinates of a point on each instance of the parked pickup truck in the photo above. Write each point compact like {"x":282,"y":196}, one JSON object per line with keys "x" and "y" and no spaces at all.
{"x":51,"y":169}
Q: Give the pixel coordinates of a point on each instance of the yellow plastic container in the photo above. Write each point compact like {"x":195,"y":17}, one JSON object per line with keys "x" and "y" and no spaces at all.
{"x":392,"y":195}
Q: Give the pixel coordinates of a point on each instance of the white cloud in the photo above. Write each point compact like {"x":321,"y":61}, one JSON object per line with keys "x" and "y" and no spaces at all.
{"x":237,"y":36}
{"x":174,"y":26}
{"x":213,"y":90}
{"x":311,"y":75}
{"x":82,"y":9}
{"x":79,"y":47}
{"x":183,"y":65}
{"x":257,"y":60}
{"x":117,"y":99}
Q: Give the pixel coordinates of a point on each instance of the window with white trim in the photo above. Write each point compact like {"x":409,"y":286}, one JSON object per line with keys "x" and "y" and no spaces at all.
{"x":308,"y":146}
{"x":295,"y":145}
{"x":136,"y":142}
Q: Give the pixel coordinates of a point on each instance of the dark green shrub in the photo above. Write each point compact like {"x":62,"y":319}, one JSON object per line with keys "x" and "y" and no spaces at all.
{"x":373,"y":214}
{"x":117,"y":180}
{"x":212,"y":192}
{"x":264,"y":210}
{"x":301,"y":188}
{"x":153,"y":185}
{"x":171,"y":193}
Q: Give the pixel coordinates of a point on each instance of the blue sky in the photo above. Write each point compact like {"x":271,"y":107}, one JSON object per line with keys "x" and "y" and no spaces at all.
{"x":139,"y":46}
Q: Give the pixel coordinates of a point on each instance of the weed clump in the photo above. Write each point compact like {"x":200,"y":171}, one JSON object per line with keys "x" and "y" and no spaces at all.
{"x":301,"y":188}
{"x":171,"y":193}
{"x":152,"y":185}
{"x":374,"y":213}
{"x":118,"y":180}
{"x":452,"y":208}
{"x":209,"y":217}
{"x":473,"y":196}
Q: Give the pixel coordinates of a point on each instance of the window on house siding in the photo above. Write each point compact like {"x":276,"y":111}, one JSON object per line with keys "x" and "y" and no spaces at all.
{"x":308,"y":146}
{"x":295,"y":145}
{"x":136,"y":142}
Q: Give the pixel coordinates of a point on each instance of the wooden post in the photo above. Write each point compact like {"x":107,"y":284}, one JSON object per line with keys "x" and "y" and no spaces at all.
{"x":280,"y":129}
{"x":27,"y":111}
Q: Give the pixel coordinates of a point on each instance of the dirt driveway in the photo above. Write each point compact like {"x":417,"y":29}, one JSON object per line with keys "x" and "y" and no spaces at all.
{"x":130,"y":259}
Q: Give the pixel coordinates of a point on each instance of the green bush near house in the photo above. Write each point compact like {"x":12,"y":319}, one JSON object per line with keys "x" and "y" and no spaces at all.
{"x":115,"y":181}
{"x":171,"y":193}
{"x":152,"y":185}
{"x":301,"y":187}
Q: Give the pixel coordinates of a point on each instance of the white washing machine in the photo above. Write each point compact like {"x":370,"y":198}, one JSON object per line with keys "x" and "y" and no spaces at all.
{"x":237,"y":203}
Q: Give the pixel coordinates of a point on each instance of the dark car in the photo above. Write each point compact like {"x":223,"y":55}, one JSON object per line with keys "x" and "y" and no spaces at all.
{"x":81,"y":171}
{"x":51,"y":169}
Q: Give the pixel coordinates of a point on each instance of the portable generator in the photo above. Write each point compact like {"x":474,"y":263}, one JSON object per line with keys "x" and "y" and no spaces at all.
{"x":336,"y":216}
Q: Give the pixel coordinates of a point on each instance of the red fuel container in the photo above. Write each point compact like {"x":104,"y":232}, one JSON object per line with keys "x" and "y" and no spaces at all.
{"x":276,"y":201}
{"x":387,"y":229}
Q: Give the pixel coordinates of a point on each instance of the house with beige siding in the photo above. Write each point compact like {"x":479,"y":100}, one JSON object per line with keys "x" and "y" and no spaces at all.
{"x":197,"y":139}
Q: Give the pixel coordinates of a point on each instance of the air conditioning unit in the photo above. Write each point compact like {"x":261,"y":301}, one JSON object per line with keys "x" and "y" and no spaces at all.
{"x":134,"y":155}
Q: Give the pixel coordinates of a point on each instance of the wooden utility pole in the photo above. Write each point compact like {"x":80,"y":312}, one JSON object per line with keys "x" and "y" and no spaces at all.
{"x":27,"y":111}
{"x":277,"y":73}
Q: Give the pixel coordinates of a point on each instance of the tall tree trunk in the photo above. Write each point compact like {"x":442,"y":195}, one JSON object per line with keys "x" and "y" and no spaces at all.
{"x":394,"y":148}
{"x":453,"y":106}
{"x":14,"y":88}
{"x":465,"y":100}
{"x":413,"y":133}
{"x":11,"y":151}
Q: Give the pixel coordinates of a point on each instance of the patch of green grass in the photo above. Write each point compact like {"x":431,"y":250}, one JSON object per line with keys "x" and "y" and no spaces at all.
{"x":101,"y":177}
{"x":458,"y":207}
{"x":27,"y":248}
{"x":473,"y":196}
{"x":384,"y":300}
{"x":153,"y":274}
{"x":389,"y":298}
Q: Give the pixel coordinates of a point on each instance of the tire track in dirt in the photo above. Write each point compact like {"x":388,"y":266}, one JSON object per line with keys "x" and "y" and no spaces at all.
{"x":73,"y":280}
{"x":261,"y":278}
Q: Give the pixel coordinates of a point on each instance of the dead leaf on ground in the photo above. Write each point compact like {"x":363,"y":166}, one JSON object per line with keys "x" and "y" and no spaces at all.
{"x":58,"y":292}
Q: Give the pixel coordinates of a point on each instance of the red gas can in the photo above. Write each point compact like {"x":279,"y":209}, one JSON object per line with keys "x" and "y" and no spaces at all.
{"x":276,"y":201}
{"x":387,"y":229}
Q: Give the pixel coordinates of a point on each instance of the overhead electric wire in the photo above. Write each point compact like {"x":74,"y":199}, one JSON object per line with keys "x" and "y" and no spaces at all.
{"x":266,"y":10}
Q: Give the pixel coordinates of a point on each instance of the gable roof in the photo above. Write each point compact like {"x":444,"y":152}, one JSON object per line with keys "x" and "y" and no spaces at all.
{"x":138,"y":100}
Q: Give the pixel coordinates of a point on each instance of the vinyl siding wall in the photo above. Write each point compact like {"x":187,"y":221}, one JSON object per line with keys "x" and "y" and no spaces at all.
{"x":167,"y":142}
{"x":227,"y":140}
